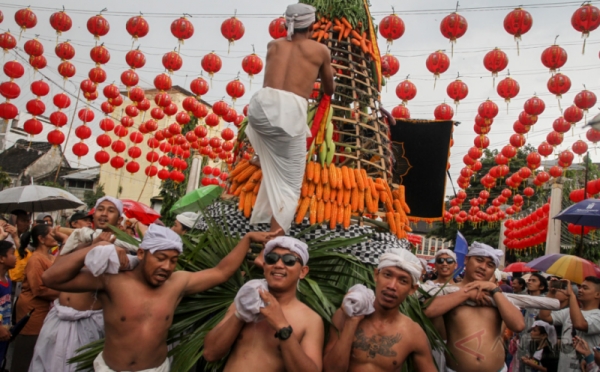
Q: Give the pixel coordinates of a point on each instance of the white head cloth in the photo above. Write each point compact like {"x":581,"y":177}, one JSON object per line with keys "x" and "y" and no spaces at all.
{"x":404,"y":260}
{"x":445,"y":251}
{"x":359,"y":301}
{"x":248,"y":301}
{"x":187,"y":219}
{"x":115,"y":201}
{"x":298,"y":16}
{"x":498,"y":275}
{"x":160,"y":238}
{"x":287,"y":242}
{"x":484,"y":250}
{"x":550,"y":330}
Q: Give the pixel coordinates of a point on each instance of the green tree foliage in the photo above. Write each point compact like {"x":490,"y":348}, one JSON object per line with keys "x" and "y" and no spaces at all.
{"x":90,"y":197}
{"x":484,"y":232}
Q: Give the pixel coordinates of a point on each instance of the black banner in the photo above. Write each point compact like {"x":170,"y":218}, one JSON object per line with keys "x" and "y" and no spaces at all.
{"x":421,"y":155}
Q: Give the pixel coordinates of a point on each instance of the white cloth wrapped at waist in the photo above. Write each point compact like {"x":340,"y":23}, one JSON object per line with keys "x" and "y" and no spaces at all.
{"x":248,"y":301}
{"x":85,"y":235}
{"x":101,"y":366}
{"x":104,"y":259}
{"x":520,"y":301}
{"x":277,"y":131}
{"x":359,"y":301}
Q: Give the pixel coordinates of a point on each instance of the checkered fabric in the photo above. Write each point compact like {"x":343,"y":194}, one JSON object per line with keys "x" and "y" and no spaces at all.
{"x":367,"y":252}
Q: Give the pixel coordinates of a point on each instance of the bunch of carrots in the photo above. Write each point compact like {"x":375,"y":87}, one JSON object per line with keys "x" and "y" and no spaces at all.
{"x":245,"y":183}
{"x":344,"y":29}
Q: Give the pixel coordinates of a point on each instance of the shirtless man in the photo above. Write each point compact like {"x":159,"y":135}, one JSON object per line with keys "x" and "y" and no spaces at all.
{"x":298,"y":342}
{"x":136,"y":326}
{"x":75,"y":313}
{"x":383,"y":340}
{"x":277,"y":113}
{"x":474,"y":334}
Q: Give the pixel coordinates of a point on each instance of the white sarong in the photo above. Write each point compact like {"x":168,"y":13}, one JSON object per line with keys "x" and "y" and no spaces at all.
{"x":65,"y":330}
{"x":277,"y":130}
{"x":100,"y":366}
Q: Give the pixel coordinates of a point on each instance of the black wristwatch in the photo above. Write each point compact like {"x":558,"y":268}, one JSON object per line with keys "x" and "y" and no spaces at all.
{"x":284,"y":333}
{"x":494,"y":291}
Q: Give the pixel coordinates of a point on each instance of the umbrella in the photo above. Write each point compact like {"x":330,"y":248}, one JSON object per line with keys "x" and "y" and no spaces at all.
{"x":574,"y":268}
{"x":34,"y":198}
{"x":518,"y":267}
{"x":14,"y":331}
{"x":585,"y":213}
{"x":139,"y":211}
{"x":197,"y":199}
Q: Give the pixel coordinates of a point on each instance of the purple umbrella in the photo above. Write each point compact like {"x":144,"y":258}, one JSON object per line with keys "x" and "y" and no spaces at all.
{"x":544,"y":262}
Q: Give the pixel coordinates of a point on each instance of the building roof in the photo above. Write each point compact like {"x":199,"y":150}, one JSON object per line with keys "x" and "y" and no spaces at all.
{"x":22,"y":154}
{"x":89,"y":174}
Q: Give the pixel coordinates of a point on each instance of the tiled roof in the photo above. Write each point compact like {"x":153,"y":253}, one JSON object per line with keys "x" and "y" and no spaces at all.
{"x":22,"y":154}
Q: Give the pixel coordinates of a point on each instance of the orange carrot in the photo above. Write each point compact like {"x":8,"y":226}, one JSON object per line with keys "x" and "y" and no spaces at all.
{"x":316,"y":34}
{"x":347,"y":32}
{"x":363,"y":44}
{"x":341,"y":34}
{"x":337,"y":28}
{"x":328,"y":26}
{"x":355,"y":42}
{"x":337,"y":22}
{"x":355,"y":35}
{"x":316,"y":26}
{"x":346,"y":23}
{"x":321,"y":36}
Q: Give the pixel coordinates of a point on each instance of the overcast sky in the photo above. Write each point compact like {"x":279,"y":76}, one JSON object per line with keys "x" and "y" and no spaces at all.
{"x":422,"y":37}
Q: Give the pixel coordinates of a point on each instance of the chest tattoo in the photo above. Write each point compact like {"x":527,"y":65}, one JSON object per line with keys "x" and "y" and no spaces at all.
{"x":376,"y":345}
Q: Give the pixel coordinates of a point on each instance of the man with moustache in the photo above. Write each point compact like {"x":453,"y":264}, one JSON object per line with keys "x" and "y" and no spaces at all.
{"x":136,"y":326}
{"x":267,"y":328}
{"x":383,"y":339}
{"x":474,"y":333}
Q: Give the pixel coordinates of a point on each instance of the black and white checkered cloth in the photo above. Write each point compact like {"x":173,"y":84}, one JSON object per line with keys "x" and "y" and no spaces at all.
{"x":367,"y":252}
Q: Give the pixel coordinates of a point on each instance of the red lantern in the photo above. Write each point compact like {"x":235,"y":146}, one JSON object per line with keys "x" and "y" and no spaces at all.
{"x":517,"y":140}
{"x":406,"y":91}
{"x":61,"y":100}
{"x":199,"y":86}
{"x":473,"y":154}
{"x":201,"y":132}
{"x":437,"y":63}
{"x":400,"y":112}
{"x":83,"y":132}
{"x":488,"y":110}
{"x":212,"y":120}
{"x":554,"y":138}
{"x":7,"y":41}
{"x":221,"y":108}
{"x":182,"y":118}
{"x":98,"y":26}
{"x":277,"y":28}
{"x":519,"y":128}
{"x":252,"y":65}
{"x":151,"y":171}
{"x":457,"y":90}
{"x":391,"y":27}
{"x":517,"y":23}
{"x":593,"y":135}
{"x":559,"y":84}
{"x":509,"y":151}
{"x":33,"y":47}
{"x":170,"y":110}
{"x":586,"y":19}
{"x":481,"y":142}
{"x":227,"y":134}
{"x":560,"y":125}
{"x":495,"y":61}
{"x":235,"y":89}
{"x":554,"y":57}
{"x":25,"y":18}
{"x":580,"y":147}
{"x":97,"y":75}
{"x":102,"y":157}
{"x":61,"y":22}
{"x":442,"y":111}
{"x":118,"y":146}
{"x":566,"y":157}
{"x":10,"y":90}
{"x":40,"y":88}
{"x":137,"y":94}
{"x":129,"y":78}
{"x":137,"y":27}
{"x":453,"y":26}
{"x":38,"y":63}
{"x":585,"y":100}
{"x":545,"y":149}
{"x":66,"y":69}
{"x":190,"y":104}
{"x":80,"y":149}
{"x":481,"y":130}
{"x":56,"y":137}
{"x":201,"y":111}
{"x":389,"y":65}
{"x":182,"y":29}
{"x":232,"y":29}
{"x":172,"y":61}
{"x":33,"y":126}
{"x":135,"y":59}
{"x":507,"y":89}
{"x":100,"y":55}
{"x":534,"y":106}
{"x":117,"y":162}
{"x":163,"y":82}
{"x":103,"y":140}
{"x":534,"y":158}
{"x":573,"y":114}
{"x":211,"y":63}
{"x":117,"y":101}
{"x":528,"y":192}
{"x":13,"y":69}
{"x":36,"y":107}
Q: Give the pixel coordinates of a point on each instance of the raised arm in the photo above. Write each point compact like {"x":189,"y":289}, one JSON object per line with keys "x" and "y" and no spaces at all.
{"x":442,"y":304}
{"x":326,"y":72}
{"x":203,"y":280}
{"x":220,"y":339}
{"x":511,"y":315}
{"x":66,"y":274}
{"x":339,"y":347}
{"x":546,"y":315}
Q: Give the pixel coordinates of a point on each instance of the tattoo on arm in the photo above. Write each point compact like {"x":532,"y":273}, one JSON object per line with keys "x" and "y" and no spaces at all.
{"x":376,"y":345}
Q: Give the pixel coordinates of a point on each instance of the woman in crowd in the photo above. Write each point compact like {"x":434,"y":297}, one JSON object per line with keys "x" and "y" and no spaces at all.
{"x":34,"y":295}
{"x":545,"y":355}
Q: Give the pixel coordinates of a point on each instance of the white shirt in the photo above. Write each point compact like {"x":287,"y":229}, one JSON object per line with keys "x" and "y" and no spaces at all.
{"x":568,"y":361}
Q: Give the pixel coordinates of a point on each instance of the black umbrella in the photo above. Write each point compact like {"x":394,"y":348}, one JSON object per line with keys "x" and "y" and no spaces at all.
{"x":14,"y":331}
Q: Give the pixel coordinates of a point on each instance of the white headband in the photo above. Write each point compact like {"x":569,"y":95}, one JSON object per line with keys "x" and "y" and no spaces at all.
{"x":550,"y":330}
{"x":298,"y":16}
{"x":484,"y":250}
{"x":160,"y":238}
{"x":404,"y":260}
{"x":118,"y":204}
{"x":187,"y":219}
{"x":287,"y":242}
{"x":447,"y":252}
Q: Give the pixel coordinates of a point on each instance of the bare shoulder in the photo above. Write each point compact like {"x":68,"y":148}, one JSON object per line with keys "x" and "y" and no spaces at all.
{"x":309,"y":315}
{"x":417,"y":334}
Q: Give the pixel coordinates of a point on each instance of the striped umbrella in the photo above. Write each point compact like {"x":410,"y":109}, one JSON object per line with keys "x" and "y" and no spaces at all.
{"x":574,"y":268}
{"x":518,"y":267}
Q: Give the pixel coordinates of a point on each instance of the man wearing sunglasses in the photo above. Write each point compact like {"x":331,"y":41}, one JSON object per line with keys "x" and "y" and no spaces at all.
{"x":283,"y":333}
{"x":385,"y":338}
{"x":445,"y":266}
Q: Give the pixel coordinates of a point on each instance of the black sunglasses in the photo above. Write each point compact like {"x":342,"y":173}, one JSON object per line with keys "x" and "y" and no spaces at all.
{"x":288,"y":259}
{"x":448,"y":260}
